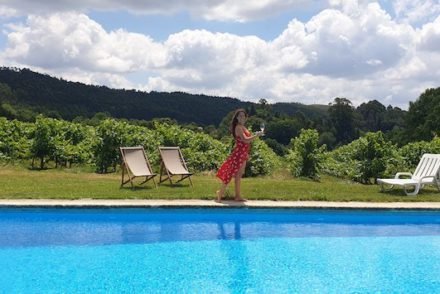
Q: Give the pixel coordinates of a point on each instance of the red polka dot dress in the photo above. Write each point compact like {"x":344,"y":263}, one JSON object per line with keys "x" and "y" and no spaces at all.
{"x":235,"y":160}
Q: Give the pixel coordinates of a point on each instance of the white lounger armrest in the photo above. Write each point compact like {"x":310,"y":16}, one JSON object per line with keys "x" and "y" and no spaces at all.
{"x":403,"y":174}
{"x":427,"y":177}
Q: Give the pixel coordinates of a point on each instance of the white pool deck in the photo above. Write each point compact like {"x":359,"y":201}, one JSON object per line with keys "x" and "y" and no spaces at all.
{"x":212,"y":204}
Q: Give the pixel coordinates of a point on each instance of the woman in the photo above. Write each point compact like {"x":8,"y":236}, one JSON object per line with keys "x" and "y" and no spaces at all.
{"x":235,"y":165}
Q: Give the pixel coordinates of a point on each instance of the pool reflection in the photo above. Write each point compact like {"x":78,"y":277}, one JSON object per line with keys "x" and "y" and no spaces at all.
{"x":48,"y":227}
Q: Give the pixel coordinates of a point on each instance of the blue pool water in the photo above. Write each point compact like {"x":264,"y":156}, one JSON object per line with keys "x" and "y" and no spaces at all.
{"x":218,"y":251}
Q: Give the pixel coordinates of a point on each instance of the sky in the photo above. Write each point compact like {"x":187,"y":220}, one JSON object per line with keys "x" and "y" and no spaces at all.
{"x":306,"y":51}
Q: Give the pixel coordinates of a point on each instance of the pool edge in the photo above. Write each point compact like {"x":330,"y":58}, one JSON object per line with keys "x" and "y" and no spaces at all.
{"x":145,"y":203}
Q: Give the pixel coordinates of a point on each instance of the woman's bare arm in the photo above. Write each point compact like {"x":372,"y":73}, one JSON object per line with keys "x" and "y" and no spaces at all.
{"x":239,"y":132}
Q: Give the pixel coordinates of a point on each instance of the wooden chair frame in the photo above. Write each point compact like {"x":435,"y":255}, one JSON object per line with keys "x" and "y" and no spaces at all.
{"x":164,"y":170}
{"x":130,"y":175}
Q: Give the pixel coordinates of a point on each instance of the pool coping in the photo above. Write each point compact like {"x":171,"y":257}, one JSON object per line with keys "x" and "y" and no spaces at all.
{"x":193,"y":203}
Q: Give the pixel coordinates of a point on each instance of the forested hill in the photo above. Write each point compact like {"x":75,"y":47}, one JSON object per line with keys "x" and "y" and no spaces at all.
{"x":23,"y":93}
{"x":57,"y":97}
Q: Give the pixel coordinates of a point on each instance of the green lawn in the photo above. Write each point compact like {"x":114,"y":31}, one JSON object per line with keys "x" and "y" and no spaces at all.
{"x":21,"y":183}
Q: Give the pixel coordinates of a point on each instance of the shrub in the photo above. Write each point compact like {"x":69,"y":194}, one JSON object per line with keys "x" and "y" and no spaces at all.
{"x":306,"y":156}
{"x":15,"y":140}
{"x":407,"y":157}
{"x":111,"y":135}
{"x":412,"y":152}
{"x":201,"y":151}
{"x":263,"y":160}
{"x":204,"y":153}
{"x":372,"y":153}
{"x":363,"y":159}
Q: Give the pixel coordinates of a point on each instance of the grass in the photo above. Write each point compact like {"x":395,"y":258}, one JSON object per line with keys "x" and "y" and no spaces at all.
{"x":20,"y":183}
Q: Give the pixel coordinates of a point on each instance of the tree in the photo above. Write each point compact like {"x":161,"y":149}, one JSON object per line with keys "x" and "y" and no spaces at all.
{"x":341,"y":113}
{"x":111,"y":135}
{"x":423,"y":119}
{"x":263,"y":102}
{"x":282,"y":130}
{"x":328,"y":139}
{"x":373,"y":115}
{"x":394,"y":118}
{"x":6,"y":93}
{"x":43,"y":144}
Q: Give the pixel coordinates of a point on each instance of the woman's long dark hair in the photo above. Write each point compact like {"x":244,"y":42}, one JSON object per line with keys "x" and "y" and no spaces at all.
{"x":234,"y":121}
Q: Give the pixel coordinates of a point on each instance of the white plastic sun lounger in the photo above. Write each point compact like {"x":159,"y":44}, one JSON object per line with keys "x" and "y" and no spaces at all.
{"x":426,"y":173}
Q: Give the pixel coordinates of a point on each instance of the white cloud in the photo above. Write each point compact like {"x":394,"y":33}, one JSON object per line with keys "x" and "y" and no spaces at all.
{"x":415,"y":11}
{"x":211,"y":60}
{"x":339,"y":44}
{"x":242,"y":11}
{"x":430,"y":36}
{"x":374,"y":62}
{"x":7,"y":12}
{"x":354,"y":50}
{"x":219,"y":10}
{"x":68,"y":40}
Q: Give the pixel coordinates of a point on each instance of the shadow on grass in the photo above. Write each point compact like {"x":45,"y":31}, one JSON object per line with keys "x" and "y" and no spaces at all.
{"x":396,"y":192}
{"x":37,"y":168}
{"x":139,"y":187}
{"x":176,"y":185}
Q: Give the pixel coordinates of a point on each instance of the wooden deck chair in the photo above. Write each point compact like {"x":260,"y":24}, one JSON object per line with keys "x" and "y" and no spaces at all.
{"x":426,"y":173}
{"x":135,"y":162}
{"x":173,"y":164}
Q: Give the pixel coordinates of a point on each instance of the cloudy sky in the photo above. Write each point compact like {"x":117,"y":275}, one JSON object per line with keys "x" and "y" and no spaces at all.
{"x":307,"y":51}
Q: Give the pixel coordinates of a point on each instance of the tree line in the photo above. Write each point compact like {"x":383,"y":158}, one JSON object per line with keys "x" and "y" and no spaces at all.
{"x":24,"y":94}
{"x":54,"y":143}
{"x":57,"y":143}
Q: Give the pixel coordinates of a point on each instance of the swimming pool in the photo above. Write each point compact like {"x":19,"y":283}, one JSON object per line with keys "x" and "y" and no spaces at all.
{"x":49,"y":250}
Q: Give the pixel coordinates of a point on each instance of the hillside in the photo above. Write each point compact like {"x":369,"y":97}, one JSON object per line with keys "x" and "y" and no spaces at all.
{"x":312,"y":111}
{"x":24,"y":92}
